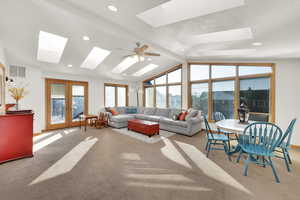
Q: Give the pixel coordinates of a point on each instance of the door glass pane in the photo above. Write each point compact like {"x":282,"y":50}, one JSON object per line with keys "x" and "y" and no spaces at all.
{"x":161,"y":80}
{"x":110,"y":96}
{"x":161,"y":97}
{"x":199,"y":72}
{"x":149,"y":97}
{"x":223,"y":98}
{"x":200,"y":97}
{"x":250,"y":70}
{"x":220,"y":71}
{"x":58,"y":104}
{"x":255,"y":93}
{"x":121,"y":96}
{"x":175,"y":96}
{"x":175,"y":76}
{"x":77,"y":101}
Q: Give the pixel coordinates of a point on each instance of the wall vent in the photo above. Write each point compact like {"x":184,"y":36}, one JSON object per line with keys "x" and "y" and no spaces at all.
{"x":17,"y":71}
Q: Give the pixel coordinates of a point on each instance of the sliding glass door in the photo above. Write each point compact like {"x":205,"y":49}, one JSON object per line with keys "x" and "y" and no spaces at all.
{"x":65,"y":102}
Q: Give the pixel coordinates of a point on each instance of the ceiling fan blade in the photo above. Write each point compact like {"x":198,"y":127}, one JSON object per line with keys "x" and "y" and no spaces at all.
{"x":124,"y":49}
{"x":151,"y":54}
{"x":130,"y":55}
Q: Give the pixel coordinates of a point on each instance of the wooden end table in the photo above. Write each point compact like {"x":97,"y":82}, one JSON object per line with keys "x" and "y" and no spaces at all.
{"x":86,"y":118}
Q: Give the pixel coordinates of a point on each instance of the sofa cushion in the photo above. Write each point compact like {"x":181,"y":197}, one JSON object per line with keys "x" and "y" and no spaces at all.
{"x":191,"y":113}
{"x":171,"y":122}
{"x":130,"y":110}
{"x":174,"y":112}
{"x":121,"y":118}
{"x":164,"y":112}
{"x":140,"y":110}
{"x":149,"y":111}
{"x":152,"y":118}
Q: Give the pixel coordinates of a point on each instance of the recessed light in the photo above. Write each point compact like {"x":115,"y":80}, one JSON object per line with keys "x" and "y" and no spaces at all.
{"x":149,"y":59}
{"x":86,"y":38}
{"x":70,"y":65}
{"x":256,"y":43}
{"x":112,"y":8}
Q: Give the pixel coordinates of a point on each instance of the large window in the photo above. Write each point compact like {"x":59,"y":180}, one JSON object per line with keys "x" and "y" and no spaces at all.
{"x":164,"y":91}
{"x":223,"y":87}
{"x":115,"y":95}
{"x":200,"y":97}
{"x":223,"y":97}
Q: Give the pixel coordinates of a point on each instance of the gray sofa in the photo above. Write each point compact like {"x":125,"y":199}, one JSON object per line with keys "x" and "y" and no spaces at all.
{"x":190,"y":127}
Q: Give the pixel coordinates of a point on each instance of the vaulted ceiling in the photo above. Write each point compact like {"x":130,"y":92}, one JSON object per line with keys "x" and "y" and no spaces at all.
{"x":227,"y":33}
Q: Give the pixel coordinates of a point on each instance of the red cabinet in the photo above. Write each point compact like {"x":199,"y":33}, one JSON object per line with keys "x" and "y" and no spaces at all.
{"x":16,"y":133}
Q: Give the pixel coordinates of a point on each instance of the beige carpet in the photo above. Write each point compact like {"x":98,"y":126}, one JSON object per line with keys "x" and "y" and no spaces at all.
{"x":100,"y":164}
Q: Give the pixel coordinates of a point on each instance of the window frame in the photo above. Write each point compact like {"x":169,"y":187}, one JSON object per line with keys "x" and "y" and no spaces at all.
{"x":167,"y":84}
{"x":236,"y":80}
{"x":116,"y":92}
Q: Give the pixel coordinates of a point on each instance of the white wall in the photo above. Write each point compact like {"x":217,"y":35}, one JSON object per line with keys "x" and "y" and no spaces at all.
{"x":35,"y":99}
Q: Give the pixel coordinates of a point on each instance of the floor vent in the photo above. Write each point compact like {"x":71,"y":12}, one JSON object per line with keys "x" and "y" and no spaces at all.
{"x":17,"y":71}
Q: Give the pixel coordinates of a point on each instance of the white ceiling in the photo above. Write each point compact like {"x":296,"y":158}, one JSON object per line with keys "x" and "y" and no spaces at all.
{"x":275,"y":23}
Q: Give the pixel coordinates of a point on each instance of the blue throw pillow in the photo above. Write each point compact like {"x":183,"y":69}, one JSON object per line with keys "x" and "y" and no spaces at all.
{"x":131,"y":110}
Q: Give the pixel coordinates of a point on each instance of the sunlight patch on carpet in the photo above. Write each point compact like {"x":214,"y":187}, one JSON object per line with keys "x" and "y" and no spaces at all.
{"x":144,"y":138}
{"x":160,"y":177}
{"x":210,"y":168}
{"x":43,"y":143}
{"x":170,"y":151}
{"x":67,"y":162}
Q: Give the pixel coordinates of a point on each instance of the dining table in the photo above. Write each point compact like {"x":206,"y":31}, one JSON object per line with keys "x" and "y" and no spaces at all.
{"x":233,"y":126}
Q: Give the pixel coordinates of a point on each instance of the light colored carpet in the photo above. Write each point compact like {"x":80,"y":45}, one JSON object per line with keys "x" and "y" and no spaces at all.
{"x":153,"y":139}
{"x":103,"y":164}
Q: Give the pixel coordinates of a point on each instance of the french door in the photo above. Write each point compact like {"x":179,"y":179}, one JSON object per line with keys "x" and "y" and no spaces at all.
{"x":65,"y":102}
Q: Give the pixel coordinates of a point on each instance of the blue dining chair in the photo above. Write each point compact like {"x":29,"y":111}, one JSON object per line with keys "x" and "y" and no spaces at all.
{"x":215,"y":140}
{"x":284,"y":146}
{"x":260,"y":141}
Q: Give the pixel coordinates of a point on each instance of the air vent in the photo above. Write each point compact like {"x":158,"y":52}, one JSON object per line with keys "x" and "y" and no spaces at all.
{"x":17,"y":71}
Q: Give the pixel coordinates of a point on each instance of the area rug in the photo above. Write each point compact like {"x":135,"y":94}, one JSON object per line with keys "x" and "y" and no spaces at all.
{"x":144,"y":138}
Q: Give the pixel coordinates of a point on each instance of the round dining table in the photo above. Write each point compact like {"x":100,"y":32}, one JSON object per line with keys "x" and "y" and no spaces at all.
{"x":233,"y":126}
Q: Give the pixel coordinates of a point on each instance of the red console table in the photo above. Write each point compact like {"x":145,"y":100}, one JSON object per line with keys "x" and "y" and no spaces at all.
{"x":16,"y":133}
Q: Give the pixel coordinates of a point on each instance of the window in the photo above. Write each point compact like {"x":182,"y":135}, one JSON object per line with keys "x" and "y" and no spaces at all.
{"x":161,"y":80}
{"x":200,"y":97}
{"x":121,"y":96}
{"x":175,"y":76}
{"x":115,"y":95}
{"x":175,"y":96}
{"x":250,"y":70}
{"x":223,"y":98}
{"x":221,"y":71}
{"x":149,"y":97}
{"x":199,"y":72}
{"x":213,"y":89}
{"x":164,"y":91}
{"x":255,"y":94}
{"x":110,"y":96}
{"x":161,"y":97}
{"x":77,"y":101}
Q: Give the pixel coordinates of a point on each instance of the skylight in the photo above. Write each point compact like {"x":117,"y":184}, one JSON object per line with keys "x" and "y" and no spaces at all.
{"x":223,"y":36}
{"x":95,"y":57}
{"x":145,"y":70}
{"x":125,"y":64}
{"x":167,"y":13}
{"x":51,"y":47}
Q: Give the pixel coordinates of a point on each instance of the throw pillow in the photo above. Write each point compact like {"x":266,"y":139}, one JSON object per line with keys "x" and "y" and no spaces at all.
{"x":183,"y":115}
{"x":191,"y":113}
{"x":131,"y":110}
{"x":113,"y":111}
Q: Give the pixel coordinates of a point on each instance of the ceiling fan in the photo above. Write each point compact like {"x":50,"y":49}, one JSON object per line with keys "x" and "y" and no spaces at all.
{"x":140,"y":52}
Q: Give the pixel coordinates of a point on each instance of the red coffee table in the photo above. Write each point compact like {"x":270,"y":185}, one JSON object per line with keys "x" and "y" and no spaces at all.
{"x":144,"y":127}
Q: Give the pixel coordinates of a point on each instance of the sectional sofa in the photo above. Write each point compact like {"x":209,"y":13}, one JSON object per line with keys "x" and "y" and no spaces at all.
{"x":164,"y":117}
